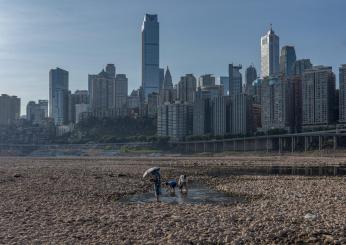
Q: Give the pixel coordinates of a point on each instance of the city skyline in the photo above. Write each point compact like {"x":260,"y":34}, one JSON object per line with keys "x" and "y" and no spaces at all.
{"x":49,"y":43}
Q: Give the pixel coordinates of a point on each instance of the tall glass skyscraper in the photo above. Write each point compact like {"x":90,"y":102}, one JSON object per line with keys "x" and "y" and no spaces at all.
{"x":150,"y":55}
{"x":58,"y":95}
{"x":287,"y":59}
{"x":270,"y":54}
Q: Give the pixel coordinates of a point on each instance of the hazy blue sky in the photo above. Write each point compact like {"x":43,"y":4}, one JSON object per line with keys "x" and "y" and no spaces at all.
{"x":197,"y":36}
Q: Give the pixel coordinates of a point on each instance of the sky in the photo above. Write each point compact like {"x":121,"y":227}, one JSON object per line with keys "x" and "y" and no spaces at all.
{"x":196,"y":36}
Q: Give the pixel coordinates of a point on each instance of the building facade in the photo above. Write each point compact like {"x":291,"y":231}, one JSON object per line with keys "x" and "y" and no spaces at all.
{"x":220,"y":114}
{"x":186,"y":88}
{"x":150,"y":55}
{"x":318,"y":93}
{"x":250,"y":77}
{"x":58,"y":95}
{"x":121,"y":93}
{"x":9,"y":109}
{"x":241,"y":115}
{"x":235,"y":80}
{"x":206,"y":81}
{"x":270,"y":45}
{"x":287,"y":60}
{"x":300,"y":66}
{"x":224,"y":81}
{"x":342,"y":93}
{"x":37,"y":112}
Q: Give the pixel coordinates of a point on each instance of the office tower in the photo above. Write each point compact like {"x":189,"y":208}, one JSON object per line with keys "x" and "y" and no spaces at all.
{"x":121,"y":92}
{"x":150,"y":55}
{"x":79,"y":97}
{"x":224,"y":81}
{"x":255,"y":91}
{"x":256,"y":116}
{"x":111,"y":70}
{"x":58,"y":96}
{"x":318,"y":92}
{"x":241,"y":115}
{"x":287,"y":60}
{"x":162,"y":77}
{"x":235,"y":80}
{"x":102,"y":92}
{"x":206,"y":81}
{"x":37,"y":112}
{"x":162,"y":120}
{"x":342,"y":93}
{"x":270,"y":54}
{"x":186,"y":88}
{"x":153,"y":103}
{"x":296,"y":82}
{"x":250,"y":77}
{"x":202,"y":113}
{"x":220,"y":115}
{"x":166,"y":92}
{"x":9,"y":109}
{"x":300,"y":66}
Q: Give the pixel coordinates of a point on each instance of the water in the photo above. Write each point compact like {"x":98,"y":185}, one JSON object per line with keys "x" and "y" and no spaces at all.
{"x":197,"y":194}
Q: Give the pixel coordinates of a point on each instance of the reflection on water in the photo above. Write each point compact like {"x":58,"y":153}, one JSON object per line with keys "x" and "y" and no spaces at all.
{"x":197,"y":194}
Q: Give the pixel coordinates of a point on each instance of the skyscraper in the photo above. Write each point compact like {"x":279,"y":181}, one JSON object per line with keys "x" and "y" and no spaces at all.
{"x":342,"y":93}
{"x":186,"y":88}
{"x":318,"y":93}
{"x":37,"y":112}
{"x":250,"y":77}
{"x":110,"y":69}
{"x":166,"y":92}
{"x":9,"y":109}
{"x":287,"y":59}
{"x":300,"y":66}
{"x":224,"y":81}
{"x":235,"y":80}
{"x":206,"y":81}
{"x":58,"y":96}
{"x":150,"y":55}
{"x":121,"y":92}
{"x":270,"y":54}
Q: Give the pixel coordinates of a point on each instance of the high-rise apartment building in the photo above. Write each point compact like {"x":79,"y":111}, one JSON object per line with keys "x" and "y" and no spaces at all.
{"x":300,"y":66}
{"x":206,"y":81}
{"x":37,"y":112}
{"x":220,"y":115}
{"x":77,"y":98}
{"x":202,"y":113}
{"x":9,"y":109}
{"x":121,"y":93}
{"x":318,"y":93}
{"x":166,"y":92}
{"x":250,"y":77}
{"x":342,"y":93}
{"x":287,"y":60}
{"x":241,"y":115}
{"x":150,"y":55}
{"x":235,"y":80}
{"x":270,"y":54}
{"x":58,"y":95}
{"x":186,"y":88}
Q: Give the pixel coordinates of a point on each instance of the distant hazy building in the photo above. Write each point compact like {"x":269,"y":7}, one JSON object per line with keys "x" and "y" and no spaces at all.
{"x":300,"y":66}
{"x":37,"y":112}
{"x":206,"y":81}
{"x":270,"y":54}
{"x":174,"y":120}
{"x":102,"y":92}
{"x":287,"y":60}
{"x":241,"y":115}
{"x":80,"y":109}
{"x":9,"y":109}
{"x":121,"y":93}
{"x":79,"y":97}
{"x":167,"y":91}
{"x":161,"y":77}
{"x":256,"y":91}
{"x":250,"y":77}
{"x":153,"y":103}
{"x":220,"y":115}
{"x":111,"y":70}
{"x":58,"y":95}
{"x":235,"y":80}
{"x":202,"y":113}
{"x":150,"y":55}
{"x":186,"y":88}
{"x":342,"y":93}
{"x":318,"y":93}
{"x":224,"y":81}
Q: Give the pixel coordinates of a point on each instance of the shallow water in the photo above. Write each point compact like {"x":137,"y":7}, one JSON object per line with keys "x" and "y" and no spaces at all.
{"x":197,"y":194}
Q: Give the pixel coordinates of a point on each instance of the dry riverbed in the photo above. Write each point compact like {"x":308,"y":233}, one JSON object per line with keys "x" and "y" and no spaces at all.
{"x":76,"y":201}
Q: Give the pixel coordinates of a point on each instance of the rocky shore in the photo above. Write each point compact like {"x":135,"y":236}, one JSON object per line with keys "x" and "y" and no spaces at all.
{"x":75,"y":201}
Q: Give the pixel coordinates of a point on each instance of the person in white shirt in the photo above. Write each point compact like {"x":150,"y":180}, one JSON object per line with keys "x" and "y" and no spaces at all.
{"x":182,"y":183}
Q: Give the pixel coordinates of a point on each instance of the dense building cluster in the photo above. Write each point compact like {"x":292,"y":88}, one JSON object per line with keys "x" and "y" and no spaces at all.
{"x":289,"y":94}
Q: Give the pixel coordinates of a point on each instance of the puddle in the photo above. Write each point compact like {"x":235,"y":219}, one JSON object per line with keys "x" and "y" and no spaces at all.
{"x":197,"y":194}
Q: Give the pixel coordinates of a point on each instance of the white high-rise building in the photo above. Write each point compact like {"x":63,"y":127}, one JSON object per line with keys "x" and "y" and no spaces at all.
{"x":270,"y":54}
{"x":150,"y":55}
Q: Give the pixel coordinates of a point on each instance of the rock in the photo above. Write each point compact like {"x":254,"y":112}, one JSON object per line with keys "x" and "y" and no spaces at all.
{"x":310,"y":216}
